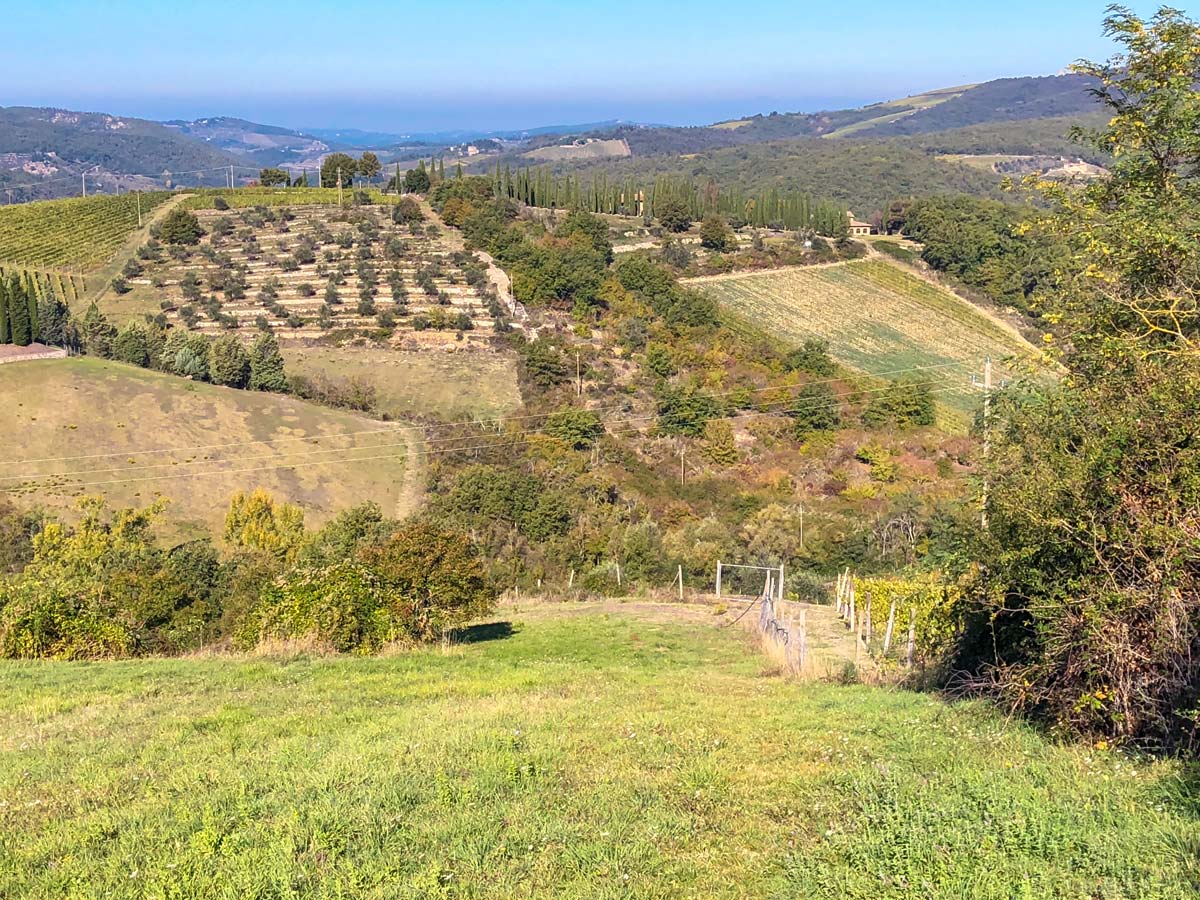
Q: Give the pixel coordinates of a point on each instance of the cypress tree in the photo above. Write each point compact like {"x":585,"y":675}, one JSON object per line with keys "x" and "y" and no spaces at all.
{"x":5,"y":337}
{"x":18,"y":313}
{"x":266,"y":364}
{"x":31,"y":302}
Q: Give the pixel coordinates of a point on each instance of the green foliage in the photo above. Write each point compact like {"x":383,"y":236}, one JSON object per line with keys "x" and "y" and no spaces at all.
{"x":484,"y":496}
{"x":592,"y":229}
{"x":656,"y":285}
{"x":271,"y":177}
{"x":815,"y":408}
{"x":543,"y":364}
{"x":902,"y":403}
{"x":337,"y":169}
{"x":673,"y":214}
{"x":715,"y":234}
{"x":660,"y":360}
{"x":180,"y":227}
{"x":685,"y":410}
{"x":266,"y":364}
{"x":229,"y":363}
{"x":580,"y":428}
{"x":719,"y":444}
{"x":416,"y":181}
{"x":258,"y":522}
{"x":812,"y":357}
{"x":97,"y":333}
{"x":101,"y":589}
{"x":132,"y":345}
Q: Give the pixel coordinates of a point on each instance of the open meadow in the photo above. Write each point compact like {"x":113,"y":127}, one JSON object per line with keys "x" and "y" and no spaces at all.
{"x":624,"y":751}
{"x":878,"y":318}
{"x":85,"y":426}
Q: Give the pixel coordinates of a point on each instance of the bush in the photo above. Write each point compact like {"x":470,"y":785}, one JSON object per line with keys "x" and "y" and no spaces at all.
{"x":180,"y":227}
{"x":580,"y":428}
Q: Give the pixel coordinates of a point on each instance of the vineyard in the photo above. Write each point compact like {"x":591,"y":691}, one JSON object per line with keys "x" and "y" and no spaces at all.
{"x":66,"y":286}
{"x":876,"y":317}
{"x":76,"y":234}
{"x":313,"y":272}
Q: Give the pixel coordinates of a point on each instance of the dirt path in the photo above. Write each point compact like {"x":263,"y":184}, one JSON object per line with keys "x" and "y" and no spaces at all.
{"x":412,"y":492}
{"x":98,"y":281}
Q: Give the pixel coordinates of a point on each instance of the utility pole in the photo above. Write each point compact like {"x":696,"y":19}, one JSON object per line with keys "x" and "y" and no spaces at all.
{"x":682,"y":466}
{"x":339,"y":185}
{"x":83,"y":181}
{"x":802,"y":526}
{"x":987,"y":438}
{"x":139,"y":202}
{"x":231,"y":176}
{"x":578,"y":376}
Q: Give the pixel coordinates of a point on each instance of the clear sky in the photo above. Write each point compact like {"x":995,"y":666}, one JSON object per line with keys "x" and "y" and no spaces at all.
{"x":420,"y":66}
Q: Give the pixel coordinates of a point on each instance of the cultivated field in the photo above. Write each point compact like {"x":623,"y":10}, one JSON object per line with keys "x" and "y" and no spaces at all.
{"x":83,"y":426}
{"x":76,"y":234}
{"x":311,"y":270}
{"x":639,"y":752}
{"x":583,"y":150}
{"x":878,"y":318}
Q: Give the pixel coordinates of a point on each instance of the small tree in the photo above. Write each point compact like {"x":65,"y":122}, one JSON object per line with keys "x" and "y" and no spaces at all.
{"x":338,"y":167}
{"x":180,"y":227}
{"x":673,"y":214}
{"x":369,"y":166}
{"x":416,"y":181}
{"x":131,"y":346}
{"x":229,"y":363}
{"x":266,"y":364}
{"x":580,"y":428}
{"x":273,"y":177}
{"x":715,"y":234}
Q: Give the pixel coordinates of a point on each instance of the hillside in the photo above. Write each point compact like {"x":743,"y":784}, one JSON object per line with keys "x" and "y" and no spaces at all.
{"x":87,"y":426}
{"x":255,"y":144}
{"x":629,"y":750}
{"x":44,"y":151}
{"x":878,"y":318}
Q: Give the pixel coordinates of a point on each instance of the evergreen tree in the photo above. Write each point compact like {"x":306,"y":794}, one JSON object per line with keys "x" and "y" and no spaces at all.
{"x":97,"y":333}
{"x":5,"y":335}
{"x":53,"y":316}
{"x":31,"y":302}
{"x":131,"y":346}
{"x":266,"y":364}
{"x":18,"y":313}
{"x":229,"y":363}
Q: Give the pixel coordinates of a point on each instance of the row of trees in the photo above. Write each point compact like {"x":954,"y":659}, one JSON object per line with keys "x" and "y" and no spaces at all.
{"x":675,"y":201}
{"x":26,"y":318}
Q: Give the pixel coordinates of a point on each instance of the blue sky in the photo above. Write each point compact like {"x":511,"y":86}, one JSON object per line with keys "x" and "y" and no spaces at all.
{"x":466,"y":64}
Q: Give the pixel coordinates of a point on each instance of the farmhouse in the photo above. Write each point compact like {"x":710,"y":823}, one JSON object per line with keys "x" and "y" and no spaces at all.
{"x":856,"y":227}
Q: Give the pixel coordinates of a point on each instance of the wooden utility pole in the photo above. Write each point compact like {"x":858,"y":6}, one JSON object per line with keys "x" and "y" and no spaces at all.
{"x":679,"y":575}
{"x":987,"y":437}
{"x":887,"y":635}
{"x":231,"y":176}
{"x":682,"y":469}
{"x":912,"y":636}
{"x":139,"y":202}
{"x":339,"y":185}
{"x":83,"y":181}
{"x":718,"y":579}
{"x":578,"y":376}
{"x":801,"y":526}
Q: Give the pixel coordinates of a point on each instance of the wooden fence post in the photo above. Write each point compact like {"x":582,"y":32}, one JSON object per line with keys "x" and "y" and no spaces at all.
{"x":718,"y":579}
{"x":679,"y":575}
{"x":867,"y":618}
{"x":571,"y":580}
{"x":852,"y":610}
{"x":887,"y":635}
{"x":912,"y":636}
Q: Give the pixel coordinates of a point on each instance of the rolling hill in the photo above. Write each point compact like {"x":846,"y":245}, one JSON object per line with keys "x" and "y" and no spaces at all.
{"x":256,"y":145}
{"x":145,"y":434}
{"x":43,"y":153}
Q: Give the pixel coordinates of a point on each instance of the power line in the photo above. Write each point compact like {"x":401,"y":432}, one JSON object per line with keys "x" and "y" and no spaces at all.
{"x":497,"y":421}
{"x":519,"y":439}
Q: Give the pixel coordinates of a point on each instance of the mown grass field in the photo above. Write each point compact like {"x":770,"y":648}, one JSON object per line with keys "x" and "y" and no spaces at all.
{"x":877,"y":318}
{"x":92,"y":425}
{"x":447,"y":386}
{"x":586,"y":755}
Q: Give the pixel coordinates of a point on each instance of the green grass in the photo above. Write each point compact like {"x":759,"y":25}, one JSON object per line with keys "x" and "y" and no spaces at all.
{"x":75,"y":234}
{"x":878,"y":317}
{"x":588,"y":755}
{"x":83,"y":406}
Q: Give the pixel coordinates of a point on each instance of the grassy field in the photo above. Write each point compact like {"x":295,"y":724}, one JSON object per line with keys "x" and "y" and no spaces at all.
{"x":74,"y":234}
{"x":85,"y":426}
{"x":877,"y":317}
{"x":584,"y":754}
{"x":448,"y":386}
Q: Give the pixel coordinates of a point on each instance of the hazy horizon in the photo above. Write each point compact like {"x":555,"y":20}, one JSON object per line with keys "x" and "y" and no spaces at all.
{"x":541,"y":64}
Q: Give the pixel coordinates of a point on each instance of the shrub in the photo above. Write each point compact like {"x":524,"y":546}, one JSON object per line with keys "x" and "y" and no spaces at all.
{"x":180,"y":227}
{"x":580,"y":428}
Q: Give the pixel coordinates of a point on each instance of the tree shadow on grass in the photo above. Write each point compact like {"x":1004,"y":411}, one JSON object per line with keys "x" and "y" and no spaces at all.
{"x":485,"y":631}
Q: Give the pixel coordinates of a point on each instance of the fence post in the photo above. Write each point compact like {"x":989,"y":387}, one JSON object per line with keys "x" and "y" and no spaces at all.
{"x":571,"y":580}
{"x":718,"y":579}
{"x":679,"y":574}
{"x":912,"y":636}
{"x":779,"y":588}
{"x":837,"y":593}
{"x":867,"y":618}
{"x":887,"y":635}
{"x":618,"y":574}
{"x":852,"y":609}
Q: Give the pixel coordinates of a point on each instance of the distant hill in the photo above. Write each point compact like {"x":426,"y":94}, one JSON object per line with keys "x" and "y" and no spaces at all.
{"x":255,"y":144}
{"x":43,"y":151}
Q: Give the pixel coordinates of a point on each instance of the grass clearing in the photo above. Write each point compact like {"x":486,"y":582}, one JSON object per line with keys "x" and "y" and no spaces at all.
{"x":582,"y":755}
{"x":445,"y":385}
{"x":877,"y":317}
{"x":84,"y":406}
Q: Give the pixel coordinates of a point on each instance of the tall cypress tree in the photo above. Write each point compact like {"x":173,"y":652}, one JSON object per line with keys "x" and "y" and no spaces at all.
{"x":18,"y":313}
{"x":31,"y":304}
{"x":5,"y":336}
